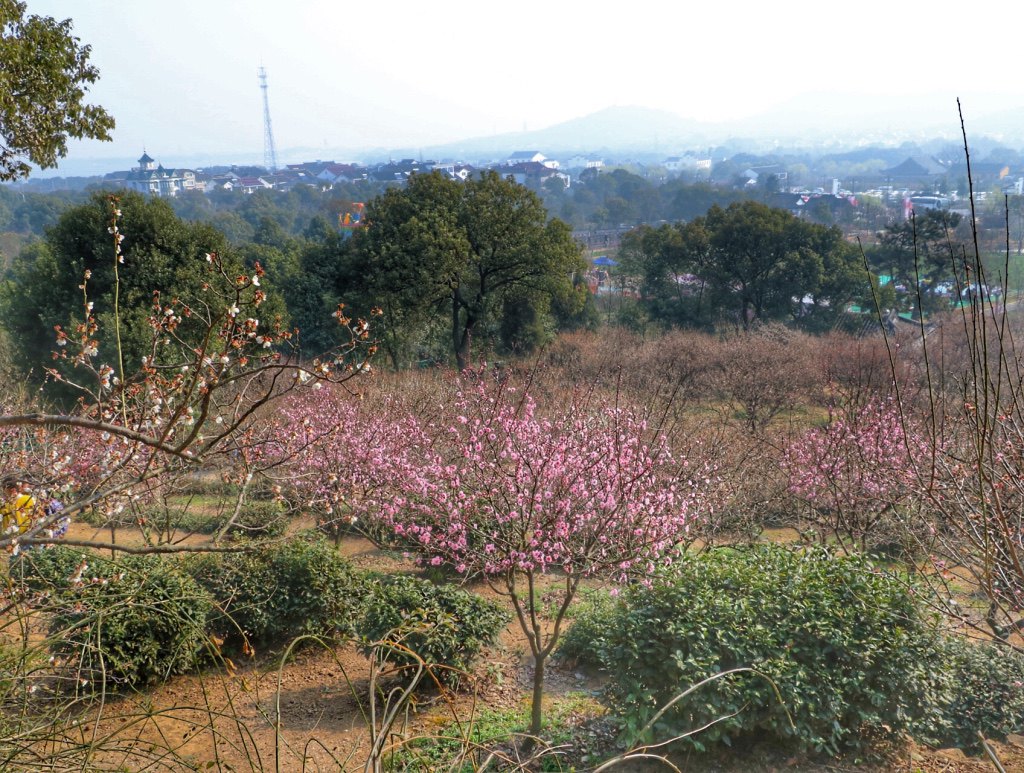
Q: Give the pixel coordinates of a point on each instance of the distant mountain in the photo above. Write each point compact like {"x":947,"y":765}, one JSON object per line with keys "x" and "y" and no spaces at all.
{"x":837,"y":121}
{"x":1005,"y":125}
{"x":825,"y":122}
{"x":618,"y":129}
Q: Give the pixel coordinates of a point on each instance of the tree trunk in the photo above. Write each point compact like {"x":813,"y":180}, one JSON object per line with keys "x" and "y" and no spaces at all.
{"x":463,"y":353}
{"x":239,"y":502}
{"x":538,"y":693}
{"x":462,"y":332}
{"x":456,"y":344}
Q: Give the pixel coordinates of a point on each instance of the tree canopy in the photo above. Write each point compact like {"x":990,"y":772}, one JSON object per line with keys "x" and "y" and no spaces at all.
{"x":77,"y":268}
{"x":44,"y":76}
{"x":747,"y":261}
{"x":470,"y":251}
{"x":920,"y":252}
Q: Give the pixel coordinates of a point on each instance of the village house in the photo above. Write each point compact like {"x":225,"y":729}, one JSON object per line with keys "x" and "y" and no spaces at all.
{"x":534,"y":174}
{"x":251,"y":184}
{"x":151,"y":178}
{"x":688,"y":162}
{"x":398,"y":171}
{"x":454,"y":171}
{"x":584,"y":162}
{"x":341,"y":173}
{"x":525,"y":157}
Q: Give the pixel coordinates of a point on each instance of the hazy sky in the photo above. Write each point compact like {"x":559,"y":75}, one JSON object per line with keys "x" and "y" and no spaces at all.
{"x":180,"y":75}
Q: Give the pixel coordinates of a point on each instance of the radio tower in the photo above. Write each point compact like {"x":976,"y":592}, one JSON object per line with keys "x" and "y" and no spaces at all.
{"x":269,"y":154}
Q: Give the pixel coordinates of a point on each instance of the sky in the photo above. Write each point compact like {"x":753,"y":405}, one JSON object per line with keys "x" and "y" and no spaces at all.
{"x":180,"y":76}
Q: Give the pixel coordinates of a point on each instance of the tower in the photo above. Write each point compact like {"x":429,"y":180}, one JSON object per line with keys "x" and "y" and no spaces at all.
{"x":269,"y":154}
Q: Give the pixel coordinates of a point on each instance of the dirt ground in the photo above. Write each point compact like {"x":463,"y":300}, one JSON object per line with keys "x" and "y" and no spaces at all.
{"x":309,"y":713}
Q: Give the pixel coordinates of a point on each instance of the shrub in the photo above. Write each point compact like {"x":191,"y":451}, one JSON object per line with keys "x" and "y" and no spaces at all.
{"x":444,"y":625}
{"x":499,"y":728}
{"x":847,"y":646}
{"x":48,"y":571}
{"x":279,"y":592}
{"x":591,"y":615}
{"x":135,"y":620}
{"x":983,"y":692}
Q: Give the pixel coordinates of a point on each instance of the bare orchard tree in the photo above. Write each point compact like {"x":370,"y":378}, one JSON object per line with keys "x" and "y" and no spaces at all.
{"x":975,"y":487}
{"x":971,"y":481}
{"x":763,"y":373}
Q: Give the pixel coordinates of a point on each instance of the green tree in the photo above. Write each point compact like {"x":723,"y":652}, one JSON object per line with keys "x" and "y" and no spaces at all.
{"x":33,"y":213}
{"x":264,"y":207}
{"x":44,"y":75}
{"x":664,"y":259}
{"x":462,"y":249}
{"x":233,"y":226}
{"x":75,"y":264}
{"x":747,"y":261}
{"x":921,"y":248}
{"x":192,"y":205}
{"x":843,"y":280}
{"x":686,"y":202}
{"x":313,"y":292}
{"x":760,"y":259}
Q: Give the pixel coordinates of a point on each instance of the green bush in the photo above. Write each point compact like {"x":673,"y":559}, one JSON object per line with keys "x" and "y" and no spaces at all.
{"x":591,"y":613}
{"x":983,"y":692}
{"x":260,"y":517}
{"x":849,"y":649}
{"x":444,"y":625}
{"x":279,"y":592}
{"x":134,"y":620}
{"x":49,"y":571}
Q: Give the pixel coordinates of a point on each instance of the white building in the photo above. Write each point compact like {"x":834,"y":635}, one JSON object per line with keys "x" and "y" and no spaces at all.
{"x":688,"y":162}
{"x":150,"y":177}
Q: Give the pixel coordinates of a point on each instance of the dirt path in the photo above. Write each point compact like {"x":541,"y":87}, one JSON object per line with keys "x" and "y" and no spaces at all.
{"x":228,"y":722}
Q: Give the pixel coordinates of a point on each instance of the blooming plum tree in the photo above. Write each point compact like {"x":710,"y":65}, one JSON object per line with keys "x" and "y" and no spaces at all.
{"x":338,"y":456}
{"x":857,"y":468}
{"x":494,"y":488}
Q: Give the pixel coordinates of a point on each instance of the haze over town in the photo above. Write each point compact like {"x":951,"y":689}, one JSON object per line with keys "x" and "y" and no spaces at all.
{"x":400,"y":78}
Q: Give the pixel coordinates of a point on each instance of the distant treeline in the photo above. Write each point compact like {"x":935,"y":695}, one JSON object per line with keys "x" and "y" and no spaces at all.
{"x":609,"y":199}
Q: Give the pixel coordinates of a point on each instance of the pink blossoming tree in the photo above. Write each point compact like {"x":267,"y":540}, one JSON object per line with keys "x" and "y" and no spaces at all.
{"x":338,"y":455}
{"x":858,"y":468}
{"x":495,"y":489}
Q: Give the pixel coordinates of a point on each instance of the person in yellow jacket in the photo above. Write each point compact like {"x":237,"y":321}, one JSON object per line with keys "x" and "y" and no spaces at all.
{"x":18,"y":507}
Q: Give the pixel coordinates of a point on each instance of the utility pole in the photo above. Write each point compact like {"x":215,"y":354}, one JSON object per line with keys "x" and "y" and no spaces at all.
{"x":269,"y":154}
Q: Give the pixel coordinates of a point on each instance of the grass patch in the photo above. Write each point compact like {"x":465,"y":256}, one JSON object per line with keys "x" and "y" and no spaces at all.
{"x":497,"y":731}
